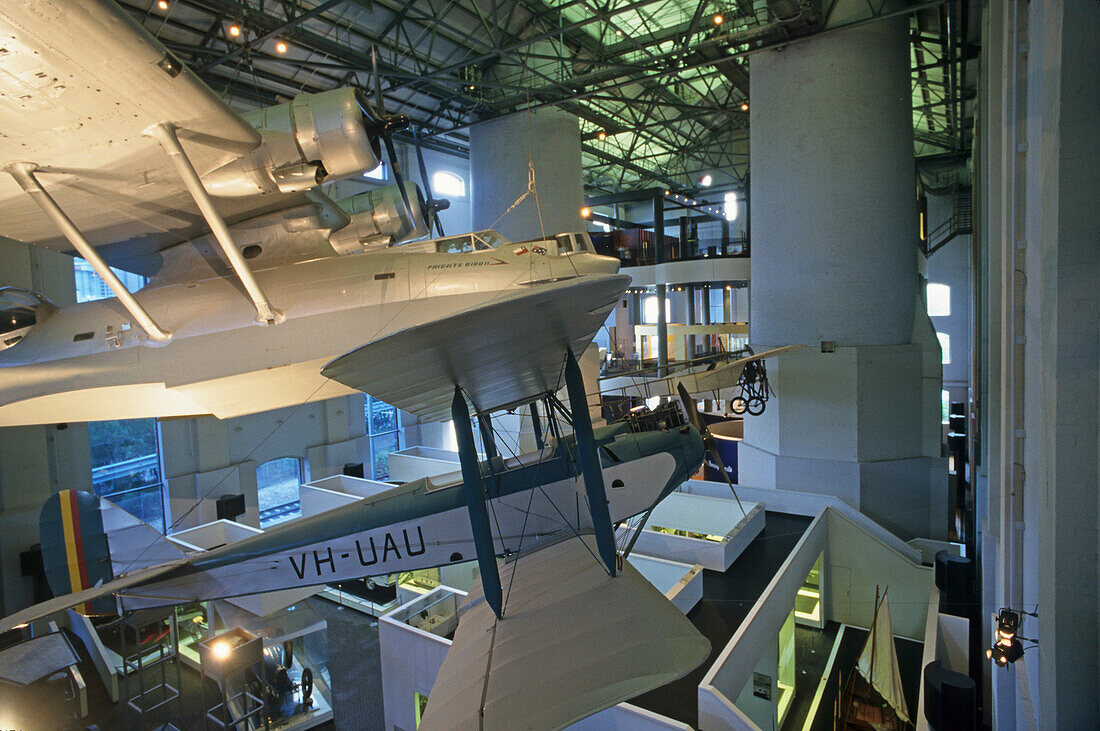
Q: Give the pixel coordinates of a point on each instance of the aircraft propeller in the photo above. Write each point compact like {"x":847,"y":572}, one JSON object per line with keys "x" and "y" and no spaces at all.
{"x":711,"y":444}
{"x":432,"y":206}
{"x":385,"y":125}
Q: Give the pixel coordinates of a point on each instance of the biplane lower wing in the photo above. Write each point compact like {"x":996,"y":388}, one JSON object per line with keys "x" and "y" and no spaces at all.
{"x":573,"y":641}
{"x":502,"y":354}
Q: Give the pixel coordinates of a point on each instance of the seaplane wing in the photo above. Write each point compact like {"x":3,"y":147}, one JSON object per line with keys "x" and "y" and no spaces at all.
{"x":80,"y":83}
{"x":573,"y":641}
{"x":505,"y":353}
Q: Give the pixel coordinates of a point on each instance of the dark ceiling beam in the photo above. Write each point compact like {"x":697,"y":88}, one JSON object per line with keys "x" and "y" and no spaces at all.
{"x":273,"y":33}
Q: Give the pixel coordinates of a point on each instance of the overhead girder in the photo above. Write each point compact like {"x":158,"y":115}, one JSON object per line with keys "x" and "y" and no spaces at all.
{"x":424,"y":45}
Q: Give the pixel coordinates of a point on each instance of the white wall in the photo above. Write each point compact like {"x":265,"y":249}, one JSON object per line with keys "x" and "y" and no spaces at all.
{"x":35,"y":461}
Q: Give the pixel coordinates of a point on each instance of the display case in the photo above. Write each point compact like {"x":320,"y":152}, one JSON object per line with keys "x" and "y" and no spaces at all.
{"x":295,"y":682}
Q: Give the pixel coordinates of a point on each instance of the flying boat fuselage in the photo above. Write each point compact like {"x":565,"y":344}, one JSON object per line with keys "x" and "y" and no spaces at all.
{"x":90,"y":361}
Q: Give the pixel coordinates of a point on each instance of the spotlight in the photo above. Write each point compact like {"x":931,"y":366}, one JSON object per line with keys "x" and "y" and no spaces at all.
{"x":718,"y":19}
{"x":162,"y":4}
{"x":586,"y":212}
{"x":234,"y":30}
{"x":744,"y":106}
{"x":602,"y":135}
{"x":1003,"y":653}
{"x":706,"y":179}
{"x":618,"y":32}
{"x":221,"y":650}
{"x":1007,"y":648}
{"x":280,"y":47}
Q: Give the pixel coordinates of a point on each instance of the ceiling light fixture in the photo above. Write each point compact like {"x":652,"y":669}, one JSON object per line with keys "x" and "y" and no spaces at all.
{"x":718,"y":19}
{"x":234,"y":30}
{"x":586,"y":212}
{"x":280,"y":47}
{"x":744,"y":106}
{"x":706,"y":179}
{"x":162,"y":4}
{"x":602,"y":135}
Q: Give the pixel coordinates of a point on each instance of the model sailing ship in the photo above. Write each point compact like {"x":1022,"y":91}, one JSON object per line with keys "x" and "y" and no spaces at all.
{"x":873,"y":697}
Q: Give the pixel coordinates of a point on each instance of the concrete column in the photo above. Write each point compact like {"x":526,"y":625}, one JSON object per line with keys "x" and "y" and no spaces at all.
{"x":835,"y":245}
{"x":662,"y":330}
{"x":692,"y":318}
{"x":500,"y":153}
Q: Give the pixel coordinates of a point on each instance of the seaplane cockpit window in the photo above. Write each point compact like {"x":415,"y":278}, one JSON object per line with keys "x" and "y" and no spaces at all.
{"x":565,"y":243}
{"x":20,"y":310}
{"x":455,"y":244}
{"x":492,"y":238}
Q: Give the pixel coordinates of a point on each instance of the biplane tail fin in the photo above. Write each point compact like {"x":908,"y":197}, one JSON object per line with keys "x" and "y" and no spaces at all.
{"x":88,"y":541}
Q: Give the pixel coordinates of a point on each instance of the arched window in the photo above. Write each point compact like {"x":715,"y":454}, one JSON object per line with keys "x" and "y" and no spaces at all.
{"x":278,"y":489}
{"x":448,"y":185}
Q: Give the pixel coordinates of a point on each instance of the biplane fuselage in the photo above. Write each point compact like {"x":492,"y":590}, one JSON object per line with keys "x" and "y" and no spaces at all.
{"x":535,"y":498}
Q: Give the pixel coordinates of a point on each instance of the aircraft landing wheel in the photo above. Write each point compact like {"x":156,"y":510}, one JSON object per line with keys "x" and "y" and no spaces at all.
{"x":755,"y":407}
{"x":738,"y":405}
{"x":307,"y":685}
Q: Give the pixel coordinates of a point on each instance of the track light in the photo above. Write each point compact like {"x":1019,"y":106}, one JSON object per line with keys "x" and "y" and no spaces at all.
{"x":1007,"y":648}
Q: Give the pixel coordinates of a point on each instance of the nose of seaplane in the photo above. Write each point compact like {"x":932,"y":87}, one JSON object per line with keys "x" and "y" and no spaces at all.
{"x":596,"y":264}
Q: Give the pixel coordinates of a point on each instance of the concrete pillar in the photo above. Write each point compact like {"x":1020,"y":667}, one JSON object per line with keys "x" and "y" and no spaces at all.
{"x":835,"y":246}
{"x":1041,"y":412}
{"x":692,"y":318}
{"x":500,"y":154}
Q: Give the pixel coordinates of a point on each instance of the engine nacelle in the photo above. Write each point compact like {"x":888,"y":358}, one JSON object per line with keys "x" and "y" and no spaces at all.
{"x":20,"y":311}
{"x":379,"y":218}
{"x":313,"y":139}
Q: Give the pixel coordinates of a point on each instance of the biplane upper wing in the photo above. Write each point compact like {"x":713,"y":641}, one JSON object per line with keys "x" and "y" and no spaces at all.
{"x":573,"y":641}
{"x":502,"y":354}
{"x":80,"y":83}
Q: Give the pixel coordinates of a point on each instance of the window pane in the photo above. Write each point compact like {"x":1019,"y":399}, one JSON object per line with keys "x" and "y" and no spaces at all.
{"x":448,"y":184}
{"x":126,"y":467}
{"x":939,"y":300}
{"x":278,"y":484}
{"x":945,"y":346}
{"x":383,"y":417}
{"x":90,"y":287}
{"x":381,"y":447}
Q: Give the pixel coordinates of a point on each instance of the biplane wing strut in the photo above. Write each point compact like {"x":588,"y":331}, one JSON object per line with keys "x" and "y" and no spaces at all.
{"x":475,"y":491}
{"x":590,"y":463}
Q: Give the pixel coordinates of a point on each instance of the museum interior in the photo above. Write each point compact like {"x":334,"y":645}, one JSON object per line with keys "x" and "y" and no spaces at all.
{"x":691,"y":363}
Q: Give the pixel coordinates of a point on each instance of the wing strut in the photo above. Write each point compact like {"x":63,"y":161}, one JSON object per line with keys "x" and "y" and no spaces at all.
{"x":165,"y":134}
{"x":475,"y":503}
{"x":23,"y":172}
{"x":590,"y":462}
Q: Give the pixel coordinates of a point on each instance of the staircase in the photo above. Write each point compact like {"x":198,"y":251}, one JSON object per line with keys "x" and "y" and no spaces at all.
{"x":961,"y":223}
